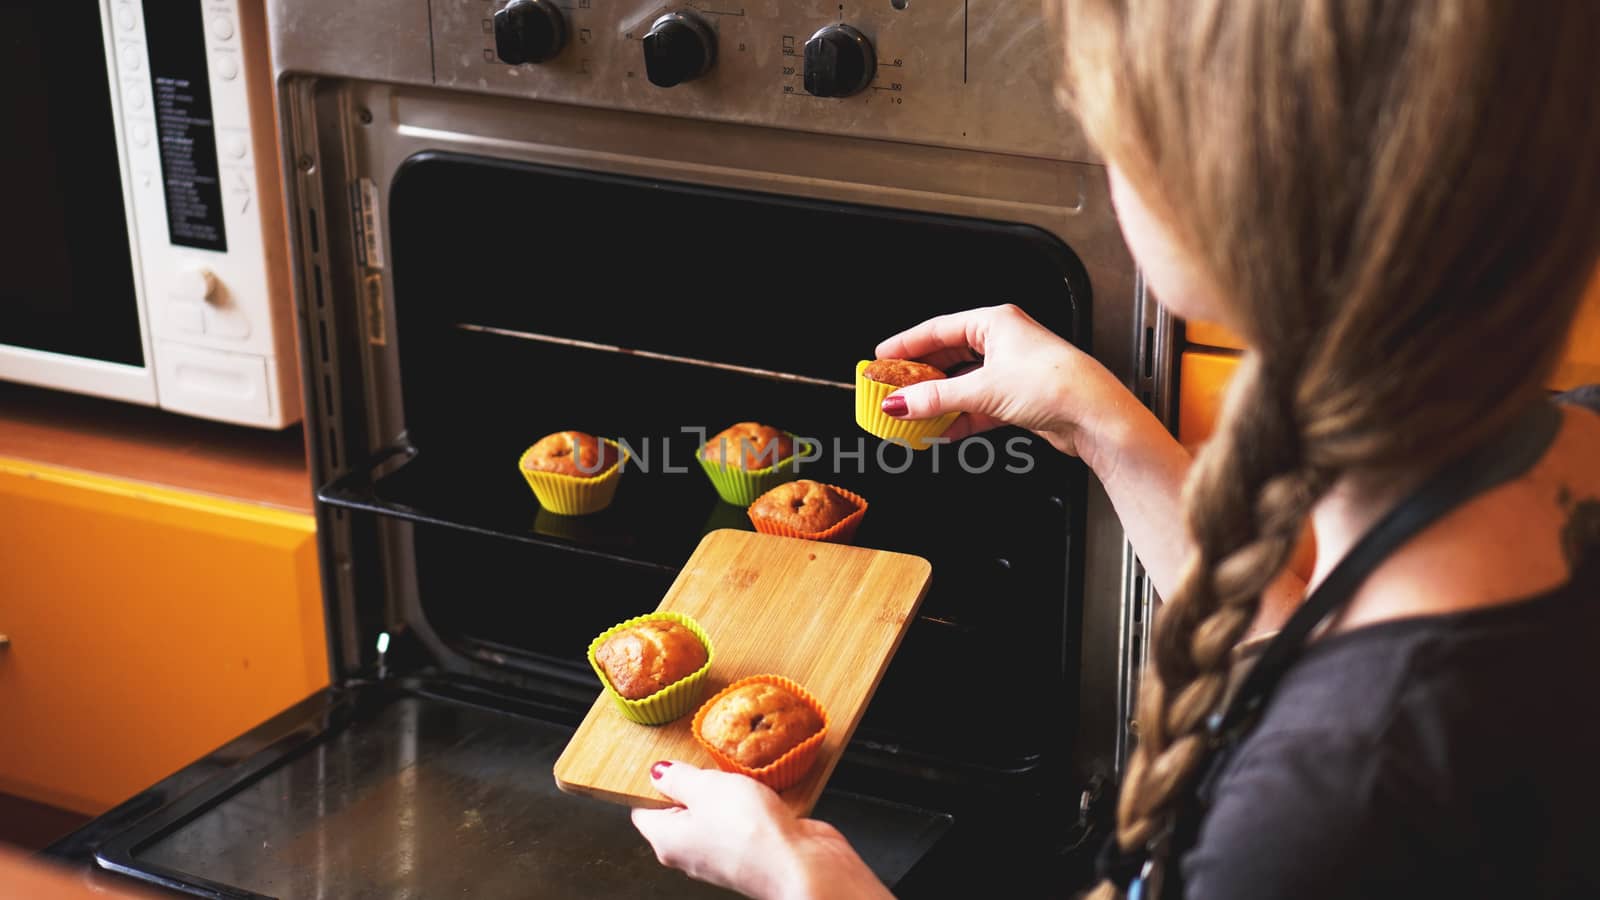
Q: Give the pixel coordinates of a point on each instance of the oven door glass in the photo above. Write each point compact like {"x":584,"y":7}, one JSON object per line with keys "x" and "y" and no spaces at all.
{"x":68,"y":286}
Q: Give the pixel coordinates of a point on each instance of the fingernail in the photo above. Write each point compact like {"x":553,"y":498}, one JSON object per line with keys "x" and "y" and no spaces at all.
{"x":658,"y":768}
{"x":894,"y":405}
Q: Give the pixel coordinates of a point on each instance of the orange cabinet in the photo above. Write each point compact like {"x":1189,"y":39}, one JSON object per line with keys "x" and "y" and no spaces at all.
{"x":1209,"y":360}
{"x":1204,"y":377}
{"x":1581,"y":365}
{"x":145,"y":627}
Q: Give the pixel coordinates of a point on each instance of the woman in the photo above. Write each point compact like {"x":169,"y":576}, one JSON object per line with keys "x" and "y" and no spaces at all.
{"x":1397,"y":205}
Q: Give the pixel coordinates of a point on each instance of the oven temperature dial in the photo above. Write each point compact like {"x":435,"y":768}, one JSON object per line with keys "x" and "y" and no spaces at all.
{"x":678,"y":48}
{"x":529,"y":31}
{"x":839,"y":62}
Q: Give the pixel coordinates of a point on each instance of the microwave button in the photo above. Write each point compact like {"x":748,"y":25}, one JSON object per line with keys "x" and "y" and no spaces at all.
{"x":529,"y":31}
{"x":125,"y":19}
{"x":195,"y":285}
{"x":227,"y":66}
{"x":215,"y":383}
{"x":226,"y":322}
{"x":186,"y":317}
{"x":221,"y":28}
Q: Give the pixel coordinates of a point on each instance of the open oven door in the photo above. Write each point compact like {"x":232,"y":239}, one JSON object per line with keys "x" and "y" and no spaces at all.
{"x":416,"y":788}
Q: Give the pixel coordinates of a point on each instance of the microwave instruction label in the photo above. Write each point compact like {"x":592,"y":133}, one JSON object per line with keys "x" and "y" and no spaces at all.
{"x":364,"y":212}
{"x":178,"y":79}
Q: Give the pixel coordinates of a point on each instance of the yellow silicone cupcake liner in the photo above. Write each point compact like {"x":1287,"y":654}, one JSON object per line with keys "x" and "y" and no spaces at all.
{"x":574,"y":495}
{"x":785,"y":771}
{"x":741,"y":487}
{"x":841,"y":532}
{"x":674,"y":701}
{"x":918,"y":434}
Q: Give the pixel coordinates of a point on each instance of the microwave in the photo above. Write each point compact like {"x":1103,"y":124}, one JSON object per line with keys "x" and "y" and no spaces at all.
{"x":141,"y":231}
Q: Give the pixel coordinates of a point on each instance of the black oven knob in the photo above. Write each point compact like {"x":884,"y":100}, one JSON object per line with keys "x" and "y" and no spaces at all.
{"x":678,"y":48}
{"x":839,"y":61}
{"x":529,"y":31}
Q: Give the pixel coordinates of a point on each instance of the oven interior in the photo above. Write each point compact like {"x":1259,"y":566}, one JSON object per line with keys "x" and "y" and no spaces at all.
{"x":512,"y":319}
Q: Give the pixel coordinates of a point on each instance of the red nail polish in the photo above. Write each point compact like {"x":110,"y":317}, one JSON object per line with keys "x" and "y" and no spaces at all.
{"x":894,"y":405}
{"x":658,"y":768}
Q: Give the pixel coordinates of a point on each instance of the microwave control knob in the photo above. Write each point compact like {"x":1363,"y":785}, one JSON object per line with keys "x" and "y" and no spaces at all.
{"x":196,"y":285}
{"x":678,"y":48}
{"x":839,"y":62}
{"x":529,"y":31}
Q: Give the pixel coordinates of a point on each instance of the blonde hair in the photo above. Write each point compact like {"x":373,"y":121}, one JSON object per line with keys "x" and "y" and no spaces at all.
{"x":1400,"y":203}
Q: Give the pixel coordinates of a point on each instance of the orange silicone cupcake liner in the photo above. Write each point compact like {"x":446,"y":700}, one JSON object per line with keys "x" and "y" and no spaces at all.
{"x":785,"y":771}
{"x":841,"y":532}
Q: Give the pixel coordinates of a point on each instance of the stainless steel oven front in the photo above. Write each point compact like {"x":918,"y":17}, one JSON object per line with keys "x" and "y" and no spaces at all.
{"x":645,"y":219}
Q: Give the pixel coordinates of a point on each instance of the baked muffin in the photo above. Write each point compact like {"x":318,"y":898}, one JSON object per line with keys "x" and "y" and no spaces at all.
{"x":572,"y":473}
{"x":748,"y":445}
{"x":644,"y":658}
{"x":755,"y":724}
{"x":900,"y":372}
{"x":571,"y":453}
{"x":878,"y":378}
{"x":804,"y":506}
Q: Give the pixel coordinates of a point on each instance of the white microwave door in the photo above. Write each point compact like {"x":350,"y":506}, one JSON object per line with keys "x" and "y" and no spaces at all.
{"x":71,"y":305}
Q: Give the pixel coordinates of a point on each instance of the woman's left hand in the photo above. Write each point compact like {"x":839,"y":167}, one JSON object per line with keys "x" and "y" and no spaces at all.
{"x":737,"y":833}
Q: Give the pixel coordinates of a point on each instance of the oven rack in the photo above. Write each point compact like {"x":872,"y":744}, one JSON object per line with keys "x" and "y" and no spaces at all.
{"x":400,"y":482}
{"x":654,"y":524}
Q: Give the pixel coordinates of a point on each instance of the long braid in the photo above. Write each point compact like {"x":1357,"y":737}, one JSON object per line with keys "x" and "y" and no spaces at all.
{"x":1245,"y":503}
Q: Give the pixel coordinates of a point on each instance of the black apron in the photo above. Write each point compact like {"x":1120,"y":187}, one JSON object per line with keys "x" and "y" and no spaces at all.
{"x":1139,"y":872}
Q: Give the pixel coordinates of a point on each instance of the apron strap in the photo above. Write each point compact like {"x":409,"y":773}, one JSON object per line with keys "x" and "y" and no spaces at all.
{"x":1490,"y":465}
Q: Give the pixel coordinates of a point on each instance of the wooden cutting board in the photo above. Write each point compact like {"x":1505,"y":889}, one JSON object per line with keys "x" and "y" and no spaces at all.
{"x":828,"y":616}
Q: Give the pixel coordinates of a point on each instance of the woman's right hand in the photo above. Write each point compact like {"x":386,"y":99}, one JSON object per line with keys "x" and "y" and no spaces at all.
{"x":1028,"y":377}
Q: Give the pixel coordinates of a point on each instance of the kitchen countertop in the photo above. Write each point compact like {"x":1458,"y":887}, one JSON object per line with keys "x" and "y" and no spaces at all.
{"x":149,"y":445}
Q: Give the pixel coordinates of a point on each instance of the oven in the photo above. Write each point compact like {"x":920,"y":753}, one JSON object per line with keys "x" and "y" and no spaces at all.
{"x":650,"y":222}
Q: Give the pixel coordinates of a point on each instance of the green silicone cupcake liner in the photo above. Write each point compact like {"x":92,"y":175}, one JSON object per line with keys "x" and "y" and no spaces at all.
{"x":741,"y":487}
{"x":674,"y":701}
{"x":918,"y":434}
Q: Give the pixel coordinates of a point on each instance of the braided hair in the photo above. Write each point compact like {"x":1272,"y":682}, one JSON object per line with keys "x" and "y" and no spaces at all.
{"x":1386,"y":196}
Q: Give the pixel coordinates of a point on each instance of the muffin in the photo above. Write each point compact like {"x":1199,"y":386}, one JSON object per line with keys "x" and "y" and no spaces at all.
{"x":808,"y":509}
{"x":571,"y":453}
{"x":747,"y":459}
{"x":900,"y":372}
{"x":653,"y":666}
{"x":877,"y":379}
{"x":645,"y":658}
{"x":573,"y":473}
{"x":764,"y":726}
{"x":748,"y":445}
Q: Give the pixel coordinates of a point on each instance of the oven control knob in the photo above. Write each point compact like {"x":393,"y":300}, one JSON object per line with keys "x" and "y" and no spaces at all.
{"x":529,"y":31}
{"x":678,"y":48}
{"x":839,"y":61}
